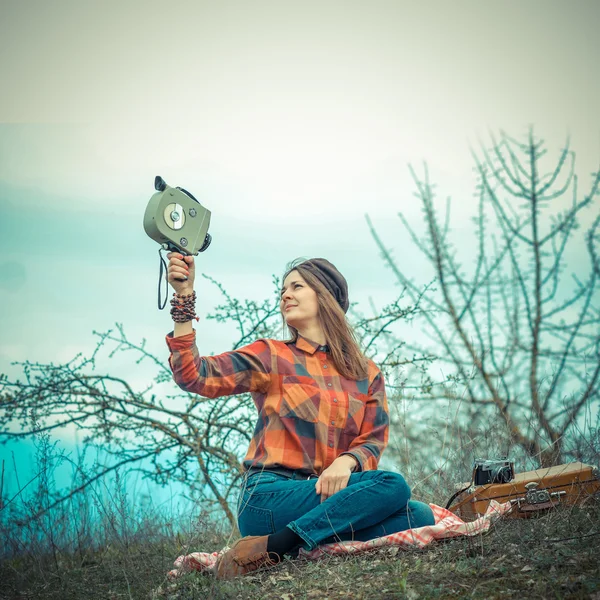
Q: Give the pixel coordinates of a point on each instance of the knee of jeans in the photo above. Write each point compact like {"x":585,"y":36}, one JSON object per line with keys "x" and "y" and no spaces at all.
{"x":420,"y":514}
{"x":400,"y":486}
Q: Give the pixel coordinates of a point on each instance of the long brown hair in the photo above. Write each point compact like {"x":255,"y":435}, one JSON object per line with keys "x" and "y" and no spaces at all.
{"x":346,"y":354}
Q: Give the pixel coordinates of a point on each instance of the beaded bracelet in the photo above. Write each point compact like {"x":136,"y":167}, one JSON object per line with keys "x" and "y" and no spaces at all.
{"x":184,"y":308}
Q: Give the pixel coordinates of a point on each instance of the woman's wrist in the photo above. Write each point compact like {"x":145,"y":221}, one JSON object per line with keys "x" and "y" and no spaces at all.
{"x":351,"y":461}
{"x":185,"y":292}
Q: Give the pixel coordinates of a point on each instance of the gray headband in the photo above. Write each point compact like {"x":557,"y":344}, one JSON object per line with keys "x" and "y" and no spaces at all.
{"x":330,"y":277}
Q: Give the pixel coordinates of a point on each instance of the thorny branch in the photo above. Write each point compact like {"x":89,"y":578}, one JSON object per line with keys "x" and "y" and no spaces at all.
{"x":167,"y":437}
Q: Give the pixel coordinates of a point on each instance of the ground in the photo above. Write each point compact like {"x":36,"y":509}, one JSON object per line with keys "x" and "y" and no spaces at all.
{"x":553,"y":556}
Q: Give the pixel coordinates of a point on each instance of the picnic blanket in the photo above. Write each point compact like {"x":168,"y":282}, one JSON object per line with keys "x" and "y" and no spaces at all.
{"x":447,"y":525}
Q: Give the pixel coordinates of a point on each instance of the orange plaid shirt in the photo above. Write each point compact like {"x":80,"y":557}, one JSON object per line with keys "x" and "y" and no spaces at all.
{"x":308,"y":414}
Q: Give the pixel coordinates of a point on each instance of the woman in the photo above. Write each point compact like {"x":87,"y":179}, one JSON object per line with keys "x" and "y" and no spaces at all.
{"x":311,"y":469}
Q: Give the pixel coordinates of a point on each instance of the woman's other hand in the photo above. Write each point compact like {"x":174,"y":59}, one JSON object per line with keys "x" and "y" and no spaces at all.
{"x":181,"y":273}
{"x":335,"y":477}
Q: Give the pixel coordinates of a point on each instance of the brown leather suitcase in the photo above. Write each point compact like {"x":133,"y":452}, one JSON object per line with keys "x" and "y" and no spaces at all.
{"x":533,"y":491}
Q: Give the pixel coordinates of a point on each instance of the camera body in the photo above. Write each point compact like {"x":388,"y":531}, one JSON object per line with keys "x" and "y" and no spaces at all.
{"x":176,"y":220}
{"x":492,"y":471}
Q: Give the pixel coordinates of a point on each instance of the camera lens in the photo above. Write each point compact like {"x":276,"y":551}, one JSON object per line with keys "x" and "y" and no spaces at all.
{"x":502,"y":475}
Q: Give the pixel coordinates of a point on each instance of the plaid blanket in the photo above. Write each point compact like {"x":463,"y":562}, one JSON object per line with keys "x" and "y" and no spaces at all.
{"x":447,"y":525}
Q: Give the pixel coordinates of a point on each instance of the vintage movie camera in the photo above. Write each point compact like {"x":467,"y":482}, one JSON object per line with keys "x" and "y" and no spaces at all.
{"x":177,"y":221}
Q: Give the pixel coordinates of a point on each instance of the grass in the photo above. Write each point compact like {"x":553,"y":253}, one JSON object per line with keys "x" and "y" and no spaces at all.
{"x":553,"y":556}
{"x":97,"y":545}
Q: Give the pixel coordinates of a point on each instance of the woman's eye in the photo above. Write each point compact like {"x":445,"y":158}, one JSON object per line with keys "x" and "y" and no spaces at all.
{"x":296,"y":285}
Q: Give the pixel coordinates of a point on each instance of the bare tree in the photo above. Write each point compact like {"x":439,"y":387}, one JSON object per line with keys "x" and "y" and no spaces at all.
{"x":519,"y":340}
{"x":183,"y":437}
{"x":196,"y":443}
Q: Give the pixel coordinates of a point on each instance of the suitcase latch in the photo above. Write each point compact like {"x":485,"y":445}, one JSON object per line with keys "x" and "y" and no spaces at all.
{"x":535,"y":496}
{"x":536,"y":500}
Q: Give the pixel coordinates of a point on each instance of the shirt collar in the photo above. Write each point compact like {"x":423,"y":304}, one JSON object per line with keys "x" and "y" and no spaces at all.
{"x":310,"y":346}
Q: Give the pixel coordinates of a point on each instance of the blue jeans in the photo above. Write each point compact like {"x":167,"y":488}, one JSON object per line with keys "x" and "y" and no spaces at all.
{"x":374,"y":503}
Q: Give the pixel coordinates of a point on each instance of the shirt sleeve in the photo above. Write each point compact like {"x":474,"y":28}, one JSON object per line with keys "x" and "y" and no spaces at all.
{"x":368,"y":446}
{"x":247,"y":369}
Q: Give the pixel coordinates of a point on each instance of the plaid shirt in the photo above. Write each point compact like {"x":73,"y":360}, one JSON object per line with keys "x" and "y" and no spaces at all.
{"x":308,"y":414}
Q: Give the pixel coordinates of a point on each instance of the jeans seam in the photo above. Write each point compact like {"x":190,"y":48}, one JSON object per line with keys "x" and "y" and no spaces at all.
{"x":300,"y":532}
{"x":348,"y":498}
{"x":305,"y":533}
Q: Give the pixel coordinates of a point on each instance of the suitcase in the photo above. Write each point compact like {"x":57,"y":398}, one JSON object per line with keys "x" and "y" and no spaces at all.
{"x":533,"y":492}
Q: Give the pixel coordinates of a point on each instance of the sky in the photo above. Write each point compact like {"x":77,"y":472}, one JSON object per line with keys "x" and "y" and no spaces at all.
{"x":290,"y":121}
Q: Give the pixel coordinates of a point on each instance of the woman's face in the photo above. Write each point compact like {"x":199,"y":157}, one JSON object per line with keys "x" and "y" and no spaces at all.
{"x":299,"y":304}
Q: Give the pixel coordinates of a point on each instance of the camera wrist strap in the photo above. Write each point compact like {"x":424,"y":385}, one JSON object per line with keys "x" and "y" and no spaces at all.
{"x":163,"y":265}
{"x":461,"y":491}
{"x":455,"y":495}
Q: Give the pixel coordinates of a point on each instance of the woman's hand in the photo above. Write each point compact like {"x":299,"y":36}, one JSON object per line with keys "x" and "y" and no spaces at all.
{"x":335,"y":477}
{"x":181,"y":273}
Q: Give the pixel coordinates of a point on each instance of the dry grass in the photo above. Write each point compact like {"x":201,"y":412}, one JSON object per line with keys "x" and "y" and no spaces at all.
{"x":547,"y":557}
{"x":96,"y":546}
{"x":553,"y":556}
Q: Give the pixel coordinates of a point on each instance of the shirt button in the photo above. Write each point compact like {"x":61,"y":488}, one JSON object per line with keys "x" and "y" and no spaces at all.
{"x":324,"y":366}
{"x":331,"y":445}
{"x":329,"y":384}
{"x":333,"y":422}
{"x":335,"y":399}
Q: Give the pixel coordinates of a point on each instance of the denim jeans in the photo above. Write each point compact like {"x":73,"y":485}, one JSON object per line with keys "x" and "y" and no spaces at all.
{"x":374,"y":503}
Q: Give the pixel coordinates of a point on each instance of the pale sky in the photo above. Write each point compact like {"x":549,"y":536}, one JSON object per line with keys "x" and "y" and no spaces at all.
{"x":288,"y":120}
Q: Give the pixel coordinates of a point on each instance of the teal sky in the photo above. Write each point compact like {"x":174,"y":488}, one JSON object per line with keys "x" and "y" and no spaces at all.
{"x":288,"y":120}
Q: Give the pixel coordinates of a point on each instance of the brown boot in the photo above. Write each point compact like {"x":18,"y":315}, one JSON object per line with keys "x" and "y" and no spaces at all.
{"x":247,"y":555}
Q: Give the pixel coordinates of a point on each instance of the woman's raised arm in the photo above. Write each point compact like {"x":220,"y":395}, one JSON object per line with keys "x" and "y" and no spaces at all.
{"x":247,"y":369}
{"x":181,"y":274}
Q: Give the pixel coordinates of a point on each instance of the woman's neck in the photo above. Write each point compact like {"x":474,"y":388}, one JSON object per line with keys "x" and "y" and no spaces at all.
{"x":315,"y":334}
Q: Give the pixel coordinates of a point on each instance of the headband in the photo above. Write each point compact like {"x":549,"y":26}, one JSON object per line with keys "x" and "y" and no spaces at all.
{"x":330,"y":277}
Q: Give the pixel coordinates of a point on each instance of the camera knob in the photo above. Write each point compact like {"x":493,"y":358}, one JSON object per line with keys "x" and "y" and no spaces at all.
{"x":531,"y":486}
{"x":159,"y":184}
{"x":206,"y":244}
